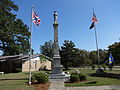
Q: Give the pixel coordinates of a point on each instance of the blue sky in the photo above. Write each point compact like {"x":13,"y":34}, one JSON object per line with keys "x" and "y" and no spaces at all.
{"x":74,"y":18}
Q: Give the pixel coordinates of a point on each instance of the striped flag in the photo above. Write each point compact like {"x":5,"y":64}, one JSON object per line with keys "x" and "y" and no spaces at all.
{"x":35,"y":18}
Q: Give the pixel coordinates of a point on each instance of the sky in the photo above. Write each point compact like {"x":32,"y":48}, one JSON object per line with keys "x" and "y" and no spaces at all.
{"x":74,"y":17}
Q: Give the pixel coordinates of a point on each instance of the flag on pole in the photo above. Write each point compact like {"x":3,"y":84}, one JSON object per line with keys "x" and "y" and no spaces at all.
{"x":111,"y":60}
{"x":35,"y":18}
{"x":94,"y":20}
{"x":92,"y":25}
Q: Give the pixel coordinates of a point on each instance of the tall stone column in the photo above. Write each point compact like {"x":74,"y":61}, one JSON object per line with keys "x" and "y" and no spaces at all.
{"x":56,"y":74}
{"x":56,"y":67}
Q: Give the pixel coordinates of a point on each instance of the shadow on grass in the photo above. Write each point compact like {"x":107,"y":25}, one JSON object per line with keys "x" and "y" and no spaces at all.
{"x":107,"y":75}
{"x":94,"y":82}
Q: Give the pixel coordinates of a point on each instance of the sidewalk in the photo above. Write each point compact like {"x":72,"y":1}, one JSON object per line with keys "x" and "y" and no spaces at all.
{"x":57,"y":86}
{"x":60,"y":86}
{"x":94,"y":88}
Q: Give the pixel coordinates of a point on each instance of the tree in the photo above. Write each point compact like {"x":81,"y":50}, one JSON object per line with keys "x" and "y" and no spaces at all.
{"x":47,"y":48}
{"x":67,"y":53}
{"x":115,"y":50}
{"x":84,"y":56}
{"x":93,"y":57}
{"x":103,"y":56}
{"x":14,"y":34}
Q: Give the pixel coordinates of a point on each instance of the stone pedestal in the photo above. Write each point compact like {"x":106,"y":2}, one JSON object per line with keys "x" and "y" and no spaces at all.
{"x":56,"y":68}
{"x":57,"y":78}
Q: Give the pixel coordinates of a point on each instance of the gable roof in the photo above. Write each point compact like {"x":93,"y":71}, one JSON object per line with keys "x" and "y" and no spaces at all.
{"x":22,"y":57}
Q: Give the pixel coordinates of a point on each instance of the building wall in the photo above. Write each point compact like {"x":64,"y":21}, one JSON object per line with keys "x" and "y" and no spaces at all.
{"x":7,"y":66}
{"x":36,"y":65}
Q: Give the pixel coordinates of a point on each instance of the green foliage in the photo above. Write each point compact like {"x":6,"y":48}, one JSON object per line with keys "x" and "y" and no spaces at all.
{"x":74,"y":73}
{"x":82,"y":77}
{"x":111,"y":67}
{"x":115,"y":50}
{"x":40,"y":77}
{"x":81,"y":58}
{"x":74,"y":57}
{"x":34,"y":78}
{"x":74,"y":78}
{"x":15,"y":81}
{"x":93,"y":57}
{"x":67,"y":53}
{"x":13,"y":32}
{"x":71,"y":56}
{"x":95,"y":80}
{"x":104,"y":66}
{"x":93,"y":67}
{"x":47,"y":48}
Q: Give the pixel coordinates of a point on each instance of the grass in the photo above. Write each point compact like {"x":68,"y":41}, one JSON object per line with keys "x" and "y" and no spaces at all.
{"x":95,"y":81}
{"x":18,"y":81}
{"x":15,"y":81}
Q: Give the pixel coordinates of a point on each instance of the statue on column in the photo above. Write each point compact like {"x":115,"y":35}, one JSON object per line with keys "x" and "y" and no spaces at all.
{"x":55,"y":16}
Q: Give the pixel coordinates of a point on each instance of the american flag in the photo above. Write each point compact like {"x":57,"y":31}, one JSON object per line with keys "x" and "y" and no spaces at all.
{"x":36,"y":19}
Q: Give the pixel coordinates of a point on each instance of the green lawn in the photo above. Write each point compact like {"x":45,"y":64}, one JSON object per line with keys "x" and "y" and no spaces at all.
{"x":95,"y":81}
{"x":15,"y":81}
{"x":18,"y":81}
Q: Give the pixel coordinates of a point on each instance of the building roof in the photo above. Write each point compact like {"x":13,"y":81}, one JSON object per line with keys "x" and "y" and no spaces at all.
{"x":22,"y":57}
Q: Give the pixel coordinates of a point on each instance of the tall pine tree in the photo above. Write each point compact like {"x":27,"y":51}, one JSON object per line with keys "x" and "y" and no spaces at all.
{"x":14,"y":34}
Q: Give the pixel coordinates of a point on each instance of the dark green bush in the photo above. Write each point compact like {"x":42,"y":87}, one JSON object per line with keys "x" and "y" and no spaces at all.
{"x":73,"y":73}
{"x":34,"y":78}
{"x":93,"y":67}
{"x":82,"y":77}
{"x":74,"y":78}
{"x":40,"y":77}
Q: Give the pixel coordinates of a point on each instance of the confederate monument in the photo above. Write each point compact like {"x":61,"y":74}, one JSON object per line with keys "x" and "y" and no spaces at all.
{"x":56,"y":66}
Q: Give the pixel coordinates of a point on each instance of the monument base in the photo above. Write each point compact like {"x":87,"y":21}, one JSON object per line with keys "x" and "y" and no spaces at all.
{"x":56,"y":77}
{"x":57,"y":69}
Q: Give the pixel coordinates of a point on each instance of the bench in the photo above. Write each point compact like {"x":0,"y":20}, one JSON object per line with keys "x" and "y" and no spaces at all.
{"x":2,"y":73}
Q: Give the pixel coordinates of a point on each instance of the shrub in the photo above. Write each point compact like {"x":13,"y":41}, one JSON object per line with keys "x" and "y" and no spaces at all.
{"x":73,"y":73}
{"x":104,"y":66}
{"x":40,"y":77}
{"x":74,"y":78}
{"x":33,"y":78}
{"x":93,"y":67}
{"x":82,"y":77}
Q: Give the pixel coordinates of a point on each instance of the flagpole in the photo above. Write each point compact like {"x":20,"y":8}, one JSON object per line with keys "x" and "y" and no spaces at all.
{"x":96,"y":38}
{"x":30,"y":54}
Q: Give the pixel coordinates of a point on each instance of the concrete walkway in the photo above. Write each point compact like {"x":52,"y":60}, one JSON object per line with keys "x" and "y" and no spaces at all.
{"x":94,"y":88}
{"x":57,"y":86}
{"x":60,"y":86}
